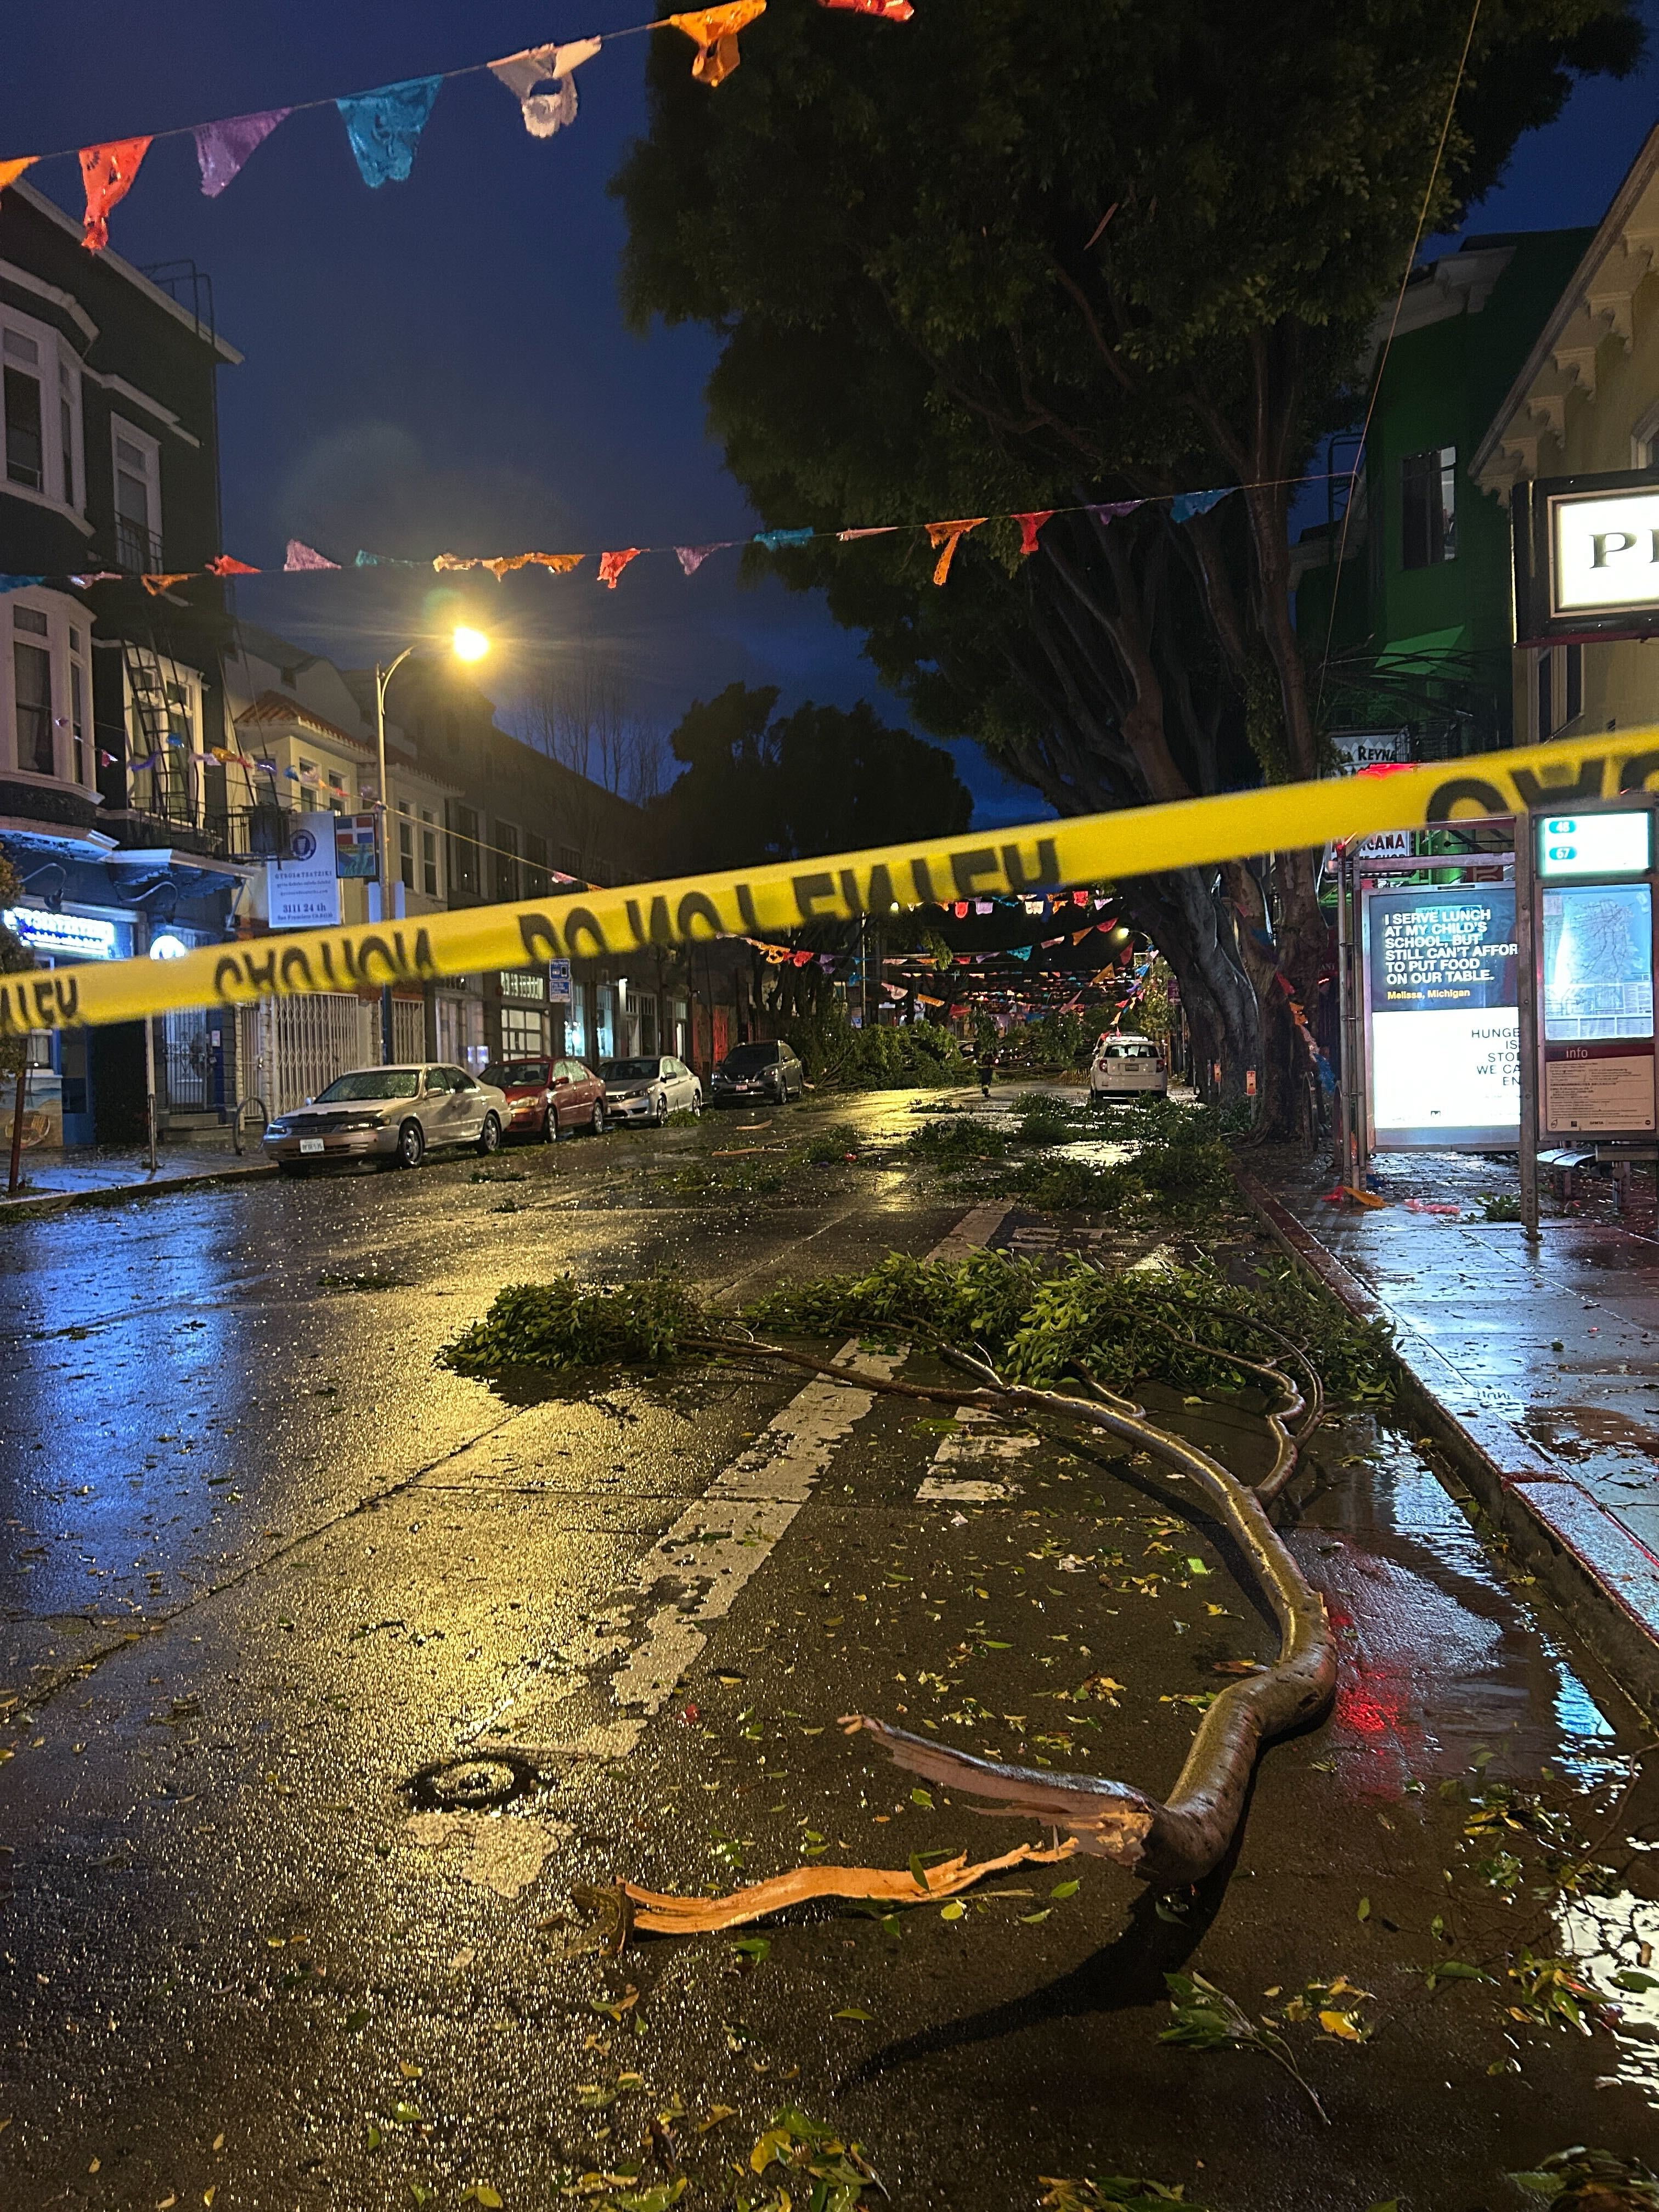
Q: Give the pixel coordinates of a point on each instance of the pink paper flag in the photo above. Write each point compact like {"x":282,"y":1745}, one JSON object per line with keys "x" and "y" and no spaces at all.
{"x":882,"y":530}
{"x":691,"y":557}
{"x":301,"y":556}
{"x":222,"y":147}
{"x":612,"y":564}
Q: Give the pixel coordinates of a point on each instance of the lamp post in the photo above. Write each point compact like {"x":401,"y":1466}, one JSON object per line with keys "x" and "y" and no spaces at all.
{"x":466,"y":645}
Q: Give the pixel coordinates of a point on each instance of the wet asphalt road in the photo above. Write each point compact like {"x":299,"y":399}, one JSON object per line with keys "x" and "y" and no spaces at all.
{"x":329,"y":1675}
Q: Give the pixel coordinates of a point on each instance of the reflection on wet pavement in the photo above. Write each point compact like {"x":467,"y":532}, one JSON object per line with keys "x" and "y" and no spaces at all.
{"x":358,"y":1585}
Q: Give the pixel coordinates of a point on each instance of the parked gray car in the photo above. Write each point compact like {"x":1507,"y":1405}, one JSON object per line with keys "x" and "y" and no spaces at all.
{"x":397,"y":1114}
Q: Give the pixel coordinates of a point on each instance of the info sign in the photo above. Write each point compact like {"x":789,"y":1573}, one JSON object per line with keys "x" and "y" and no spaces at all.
{"x":303,"y":892}
{"x":1442,"y":1021}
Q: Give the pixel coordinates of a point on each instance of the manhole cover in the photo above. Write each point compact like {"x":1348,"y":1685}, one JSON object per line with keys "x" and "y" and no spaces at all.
{"x":464,"y":1784}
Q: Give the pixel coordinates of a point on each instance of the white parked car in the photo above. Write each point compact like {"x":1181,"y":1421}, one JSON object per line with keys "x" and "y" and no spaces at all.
{"x":1127,"y":1068}
{"x":649,"y":1088}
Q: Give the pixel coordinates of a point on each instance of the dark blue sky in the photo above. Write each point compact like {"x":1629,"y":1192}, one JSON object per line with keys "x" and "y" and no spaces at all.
{"x":442,"y":364}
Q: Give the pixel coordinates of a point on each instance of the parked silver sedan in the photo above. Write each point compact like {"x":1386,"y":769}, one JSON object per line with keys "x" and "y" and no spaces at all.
{"x":649,"y":1088}
{"x":397,"y":1114}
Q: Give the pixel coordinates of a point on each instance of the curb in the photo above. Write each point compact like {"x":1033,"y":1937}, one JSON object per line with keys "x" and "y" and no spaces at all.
{"x":1603,"y":1581}
{"x":33,"y":1205}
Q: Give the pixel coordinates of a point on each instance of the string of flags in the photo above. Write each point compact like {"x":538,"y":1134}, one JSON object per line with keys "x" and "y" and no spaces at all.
{"x":300,"y":559}
{"x":383,"y":127}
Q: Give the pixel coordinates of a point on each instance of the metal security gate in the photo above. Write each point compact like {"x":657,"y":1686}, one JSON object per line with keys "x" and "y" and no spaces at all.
{"x":288,"y":1050}
{"x":187,"y":1056}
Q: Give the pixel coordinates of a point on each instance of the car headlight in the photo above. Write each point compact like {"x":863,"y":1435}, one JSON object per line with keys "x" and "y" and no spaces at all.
{"x":360,"y":1122}
{"x":277,"y":1129}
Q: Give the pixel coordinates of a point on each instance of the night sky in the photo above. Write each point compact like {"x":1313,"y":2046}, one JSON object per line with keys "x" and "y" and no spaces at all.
{"x":442,"y":364}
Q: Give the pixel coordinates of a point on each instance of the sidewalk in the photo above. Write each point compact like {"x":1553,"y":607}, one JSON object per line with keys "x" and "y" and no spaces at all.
{"x":52,"y":1180}
{"x":1536,"y":1371}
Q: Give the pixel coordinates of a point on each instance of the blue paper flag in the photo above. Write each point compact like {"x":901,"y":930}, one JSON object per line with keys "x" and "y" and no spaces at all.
{"x":383,"y":126}
{"x":1187,"y":504}
{"x":19,"y":583}
{"x":772,"y":539}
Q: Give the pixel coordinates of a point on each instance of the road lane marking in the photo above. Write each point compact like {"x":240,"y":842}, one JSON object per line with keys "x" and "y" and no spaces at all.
{"x":703,"y":1563}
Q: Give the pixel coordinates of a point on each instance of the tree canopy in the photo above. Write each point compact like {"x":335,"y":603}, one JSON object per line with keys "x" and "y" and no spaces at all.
{"x":822,"y":780}
{"x":1016,"y":256}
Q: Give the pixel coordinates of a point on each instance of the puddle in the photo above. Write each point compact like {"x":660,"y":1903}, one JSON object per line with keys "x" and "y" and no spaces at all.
{"x":1611,"y":1936}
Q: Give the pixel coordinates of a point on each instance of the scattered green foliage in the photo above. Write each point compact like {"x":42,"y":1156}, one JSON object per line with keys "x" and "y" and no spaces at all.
{"x":1096,"y":2193}
{"x":1179,"y":1168}
{"x":1583,"y":2181}
{"x":906,"y":1056}
{"x":1037,"y":1325}
{"x":839,"y":1142}
{"x":818,"y":2170}
{"x":565,"y":1324}
{"x":1500,"y":1205}
{"x":1206,"y":2019}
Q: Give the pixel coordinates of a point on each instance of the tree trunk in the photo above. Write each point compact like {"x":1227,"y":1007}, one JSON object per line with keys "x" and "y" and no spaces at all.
{"x":1178,"y":913}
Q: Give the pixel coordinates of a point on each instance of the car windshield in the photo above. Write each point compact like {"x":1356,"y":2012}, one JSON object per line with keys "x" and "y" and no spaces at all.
{"x":629,"y":1071}
{"x":372,"y":1083}
{"x":516,"y":1074}
{"x":751,"y":1055}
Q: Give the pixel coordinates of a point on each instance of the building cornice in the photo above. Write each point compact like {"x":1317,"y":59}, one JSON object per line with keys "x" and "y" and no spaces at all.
{"x":136,"y":278}
{"x":1598,"y":303}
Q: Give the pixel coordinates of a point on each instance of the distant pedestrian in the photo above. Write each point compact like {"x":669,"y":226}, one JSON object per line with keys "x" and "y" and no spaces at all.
{"x":988,"y":1068}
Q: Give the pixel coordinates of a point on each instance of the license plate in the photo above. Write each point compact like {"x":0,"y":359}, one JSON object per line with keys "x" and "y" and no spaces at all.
{"x":311,"y":1144}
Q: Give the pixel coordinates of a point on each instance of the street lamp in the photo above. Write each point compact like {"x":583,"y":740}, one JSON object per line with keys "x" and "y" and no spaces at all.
{"x":467,"y":644}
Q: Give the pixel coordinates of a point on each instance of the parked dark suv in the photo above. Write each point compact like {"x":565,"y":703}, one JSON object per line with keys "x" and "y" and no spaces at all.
{"x":758,"y":1071}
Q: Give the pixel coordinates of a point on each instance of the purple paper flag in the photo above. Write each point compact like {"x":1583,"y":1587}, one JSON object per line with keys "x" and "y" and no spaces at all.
{"x":693,"y":556}
{"x":301,"y":556}
{"x":1112,"y":509}
{"x":221,"y":148}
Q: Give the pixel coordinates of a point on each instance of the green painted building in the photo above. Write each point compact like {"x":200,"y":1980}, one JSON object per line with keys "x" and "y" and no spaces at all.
{"x":1421,"y":640}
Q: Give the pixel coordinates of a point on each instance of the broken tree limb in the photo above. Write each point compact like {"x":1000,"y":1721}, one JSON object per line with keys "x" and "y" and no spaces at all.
{"x":1176,"y":1843}
{"x":656,"y":1913}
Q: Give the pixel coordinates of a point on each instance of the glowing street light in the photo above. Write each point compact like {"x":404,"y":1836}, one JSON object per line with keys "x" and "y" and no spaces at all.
{"x":466,"y":644}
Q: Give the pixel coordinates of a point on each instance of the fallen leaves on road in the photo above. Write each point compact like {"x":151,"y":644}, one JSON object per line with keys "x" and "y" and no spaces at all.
{"x":1127,"y":2192}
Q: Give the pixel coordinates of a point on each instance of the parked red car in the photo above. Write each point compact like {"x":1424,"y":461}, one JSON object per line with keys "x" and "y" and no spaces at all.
{"x":547,"y":1099}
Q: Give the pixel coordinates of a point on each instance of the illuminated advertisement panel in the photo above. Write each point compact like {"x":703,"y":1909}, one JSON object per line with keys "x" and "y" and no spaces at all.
{"x":1598,"y":1008}
{"x":1444,"y":1031}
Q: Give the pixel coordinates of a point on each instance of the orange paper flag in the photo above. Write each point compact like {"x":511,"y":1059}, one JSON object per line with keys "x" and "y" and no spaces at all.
{"x":715,"y":32}
{"x":108,"y":171}
{"x":156,"y":585}
{"x":560,"y":563}
{"x":950,"y":535}
{"x":10,"y":171}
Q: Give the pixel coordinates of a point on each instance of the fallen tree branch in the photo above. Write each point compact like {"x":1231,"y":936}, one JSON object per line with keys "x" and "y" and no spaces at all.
{"x":1174,"y":1844}
{"x":656,"y":1913}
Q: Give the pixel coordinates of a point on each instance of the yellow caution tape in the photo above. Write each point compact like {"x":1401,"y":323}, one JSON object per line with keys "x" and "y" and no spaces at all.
{"x":781,"y":895}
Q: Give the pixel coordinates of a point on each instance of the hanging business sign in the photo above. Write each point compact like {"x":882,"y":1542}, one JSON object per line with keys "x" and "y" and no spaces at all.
{"x":303,"y":892}
{"x":558,"y":981}
{"x":1443,"y":1044}
{"x":1587,"y":557}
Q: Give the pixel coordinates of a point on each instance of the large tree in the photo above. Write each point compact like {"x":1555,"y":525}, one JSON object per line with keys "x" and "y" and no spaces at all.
{"x":1015,"y":255}
{"x":760,"y":785}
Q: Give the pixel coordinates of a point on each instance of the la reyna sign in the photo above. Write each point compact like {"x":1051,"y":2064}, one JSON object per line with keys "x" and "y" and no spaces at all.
{"x":1587,"y":557}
